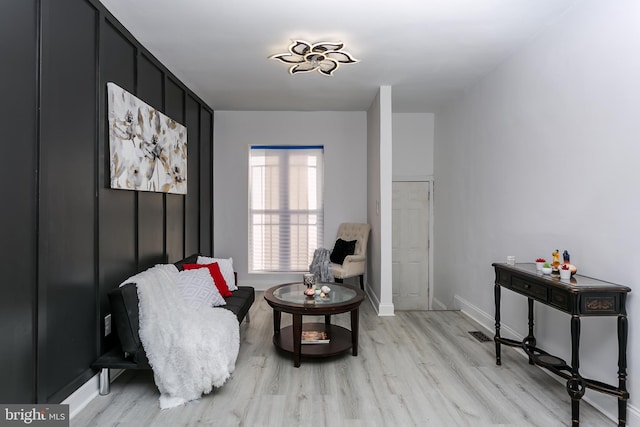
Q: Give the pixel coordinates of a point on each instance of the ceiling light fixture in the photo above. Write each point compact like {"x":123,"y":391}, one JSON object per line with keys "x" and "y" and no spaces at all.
{"x":324,"y":57}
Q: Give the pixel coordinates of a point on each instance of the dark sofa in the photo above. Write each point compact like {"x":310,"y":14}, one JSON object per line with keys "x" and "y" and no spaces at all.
{"x":130,"y":354}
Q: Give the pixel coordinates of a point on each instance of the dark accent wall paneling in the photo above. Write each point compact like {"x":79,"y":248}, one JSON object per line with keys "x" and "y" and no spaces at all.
{"x":174,"y":108}
{"x":117,"y":225}
{"x":192,"y":214}
{"x":18,"y":233}
{"x":66,"y":281}
{"x":151,"y":248}
{"x":206,"y":181}
{"x":66,"y":237}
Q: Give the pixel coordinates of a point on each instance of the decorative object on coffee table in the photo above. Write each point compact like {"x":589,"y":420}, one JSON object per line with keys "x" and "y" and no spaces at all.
{"x":309,"y":280}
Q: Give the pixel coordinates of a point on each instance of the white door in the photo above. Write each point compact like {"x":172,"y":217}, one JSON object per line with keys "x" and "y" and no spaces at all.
{"x":410,"y":245}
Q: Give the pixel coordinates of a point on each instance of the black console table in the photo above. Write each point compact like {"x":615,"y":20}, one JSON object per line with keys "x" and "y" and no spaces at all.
{"x":578,"y":296}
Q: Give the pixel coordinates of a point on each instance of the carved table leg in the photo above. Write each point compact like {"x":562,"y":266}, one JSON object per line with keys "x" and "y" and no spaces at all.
{"x":575,"y":385}
{"x":622,"y":366}
{"x":496,"y":292}
{"x":530,"y":340}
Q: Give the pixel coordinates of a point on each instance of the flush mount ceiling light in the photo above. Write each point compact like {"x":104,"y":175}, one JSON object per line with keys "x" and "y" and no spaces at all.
{"x":324,"y":57}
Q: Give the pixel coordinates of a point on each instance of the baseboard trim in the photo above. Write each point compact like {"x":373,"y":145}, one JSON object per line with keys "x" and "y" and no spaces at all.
{"x":386,"y":310}
{"x":487,"y":321}
{"x":80,"y":398}
{"x":633,"y":416}
{"x":382,"y":310}
{"x":373,"y":299}
{"x":437,"y":305}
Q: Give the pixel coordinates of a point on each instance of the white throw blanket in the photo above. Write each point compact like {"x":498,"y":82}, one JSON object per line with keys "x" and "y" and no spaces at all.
{"x":189,"y":351}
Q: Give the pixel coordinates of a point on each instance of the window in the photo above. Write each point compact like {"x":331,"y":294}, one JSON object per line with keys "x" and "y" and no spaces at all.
{"x":285,"y":207}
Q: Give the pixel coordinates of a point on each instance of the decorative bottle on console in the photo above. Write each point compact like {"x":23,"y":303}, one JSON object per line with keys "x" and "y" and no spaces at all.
{"x":556,"y":259}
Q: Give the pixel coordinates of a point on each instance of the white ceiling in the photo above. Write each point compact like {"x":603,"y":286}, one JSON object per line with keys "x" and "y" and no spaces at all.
{"x":427,"y":50}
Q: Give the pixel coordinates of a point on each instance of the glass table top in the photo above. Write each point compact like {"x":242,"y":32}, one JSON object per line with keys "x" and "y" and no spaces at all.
{"x":294,"y":293}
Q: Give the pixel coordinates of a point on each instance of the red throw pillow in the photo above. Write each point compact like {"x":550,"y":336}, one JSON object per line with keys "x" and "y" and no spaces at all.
{"x":216,"y":274}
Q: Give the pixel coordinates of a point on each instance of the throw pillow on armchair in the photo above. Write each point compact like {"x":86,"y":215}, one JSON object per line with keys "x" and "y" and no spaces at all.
{"x":341,"y":249}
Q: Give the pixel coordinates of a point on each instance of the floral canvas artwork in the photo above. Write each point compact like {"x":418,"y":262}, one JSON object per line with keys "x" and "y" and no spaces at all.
{"x":148,"y":149}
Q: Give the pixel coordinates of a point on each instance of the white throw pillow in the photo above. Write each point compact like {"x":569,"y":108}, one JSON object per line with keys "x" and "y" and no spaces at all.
{"x":226,"y":268}
{"x":198,"y":290}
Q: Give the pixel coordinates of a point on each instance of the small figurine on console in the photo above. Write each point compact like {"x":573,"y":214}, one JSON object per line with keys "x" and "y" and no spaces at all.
{"x":556,"y":259}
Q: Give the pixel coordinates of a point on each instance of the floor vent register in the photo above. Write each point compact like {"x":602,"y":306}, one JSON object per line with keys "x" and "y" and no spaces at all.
{"x":480,"y":336}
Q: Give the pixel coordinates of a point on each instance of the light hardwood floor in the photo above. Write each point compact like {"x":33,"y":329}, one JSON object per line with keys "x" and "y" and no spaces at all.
{"x":414,"y":369}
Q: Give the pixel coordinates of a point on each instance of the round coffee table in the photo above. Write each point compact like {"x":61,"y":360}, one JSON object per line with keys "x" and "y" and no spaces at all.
{"x":290,"y":298}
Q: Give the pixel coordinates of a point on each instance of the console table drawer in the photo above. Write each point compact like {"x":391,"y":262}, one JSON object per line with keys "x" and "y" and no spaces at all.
{"x":533,"y":290}
{"x":560,"y":299}
{"x":503,"y":278}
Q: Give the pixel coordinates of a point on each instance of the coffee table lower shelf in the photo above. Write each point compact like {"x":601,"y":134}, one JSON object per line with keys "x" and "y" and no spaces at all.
{"x":339,"y":340}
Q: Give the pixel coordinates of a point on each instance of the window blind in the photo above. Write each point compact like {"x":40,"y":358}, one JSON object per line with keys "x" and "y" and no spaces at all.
{"x":286,"y":211}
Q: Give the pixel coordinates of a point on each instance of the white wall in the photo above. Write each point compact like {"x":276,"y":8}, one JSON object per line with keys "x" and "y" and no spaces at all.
{"x":343,"y":135}
{"x":413,"y":146}
{"x":413,"y":141}
{"x":543,"y":153}
{"x":373,"y":200}
{"x":379,"y":194}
